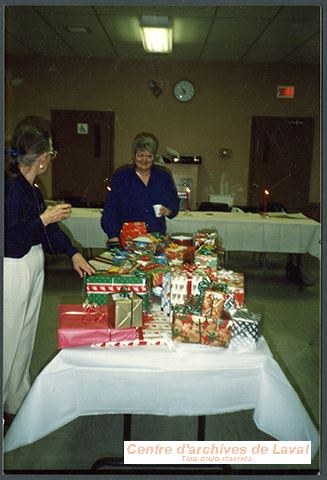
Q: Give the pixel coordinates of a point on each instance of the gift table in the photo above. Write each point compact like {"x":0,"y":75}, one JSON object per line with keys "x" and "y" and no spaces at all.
{"x":239,"y":231}
{"x":182,"y":379}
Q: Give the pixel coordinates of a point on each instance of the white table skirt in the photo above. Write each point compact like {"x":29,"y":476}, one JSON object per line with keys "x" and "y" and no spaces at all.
{"x":238,"y":231}
{"x":183,"y":380}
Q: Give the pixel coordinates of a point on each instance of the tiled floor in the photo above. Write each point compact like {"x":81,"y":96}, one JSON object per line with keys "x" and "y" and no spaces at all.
{"x":291,"y":327}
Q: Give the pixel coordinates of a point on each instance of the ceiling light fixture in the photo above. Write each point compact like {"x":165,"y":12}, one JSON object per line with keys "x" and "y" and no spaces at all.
{"x":157,"y":34}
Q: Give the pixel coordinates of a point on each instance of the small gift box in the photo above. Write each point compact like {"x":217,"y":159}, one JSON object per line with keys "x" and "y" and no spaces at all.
{"x":132,"y":230}
{"x":190,"y":328}
{"x":213,"y":303}
{"x":125,"y":310}
{"x":84,"y":325}
{"x":246,"y":328}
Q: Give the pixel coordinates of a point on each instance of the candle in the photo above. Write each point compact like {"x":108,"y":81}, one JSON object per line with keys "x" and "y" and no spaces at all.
{"x":265,"y":200}
{"x":187,"y":198}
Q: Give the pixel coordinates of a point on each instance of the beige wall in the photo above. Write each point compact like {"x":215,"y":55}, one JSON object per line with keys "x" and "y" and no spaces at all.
{"x":228,"y":95}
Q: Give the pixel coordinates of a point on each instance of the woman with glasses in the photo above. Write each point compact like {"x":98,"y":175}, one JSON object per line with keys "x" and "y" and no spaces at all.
{"x":136,"y":188}
{"x":30,"y":229}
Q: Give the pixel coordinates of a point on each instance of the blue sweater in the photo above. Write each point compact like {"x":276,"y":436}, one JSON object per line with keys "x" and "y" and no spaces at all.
{"x":23,"y":226}
{"x":131,"y":201}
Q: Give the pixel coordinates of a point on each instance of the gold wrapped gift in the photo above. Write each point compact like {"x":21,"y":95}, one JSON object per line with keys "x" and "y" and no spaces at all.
{"x":125,"y":310}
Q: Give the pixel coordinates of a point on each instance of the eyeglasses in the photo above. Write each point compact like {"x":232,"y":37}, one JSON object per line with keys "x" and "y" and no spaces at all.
{"x":52,"y":154}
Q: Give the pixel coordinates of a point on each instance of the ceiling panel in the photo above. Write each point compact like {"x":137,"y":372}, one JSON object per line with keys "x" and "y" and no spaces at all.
{"x":284,"y":32}
{"x":236,"y":31}
{"x":208,"y":33}
{"x":247,"y":12}
{"x":190,"y":30}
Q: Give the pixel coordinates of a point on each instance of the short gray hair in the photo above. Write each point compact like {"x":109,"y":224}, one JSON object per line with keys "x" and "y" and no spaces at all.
{"x":145,"y":141}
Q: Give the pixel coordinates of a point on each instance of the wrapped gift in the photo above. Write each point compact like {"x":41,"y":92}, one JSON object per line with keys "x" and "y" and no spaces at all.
{"x":235,"y":284}
{"x":246,"y":326}
{"x":184,"y":282}
{"x":132,"y":230}
{"x":84,"y":325}
{"x":213,"y":303}
{"x":190,"y":328}
{"x":206,"y":258}
{"x":100,"y":285}
{"x":156,"y":332}
{"x":125,"y":310}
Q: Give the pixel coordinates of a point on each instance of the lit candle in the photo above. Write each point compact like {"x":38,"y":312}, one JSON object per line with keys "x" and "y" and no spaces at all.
{"x":187,"y":198}
{"x":265,"y":200}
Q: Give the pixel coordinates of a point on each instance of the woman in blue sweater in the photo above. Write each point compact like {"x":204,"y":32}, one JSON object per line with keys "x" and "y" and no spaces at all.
{"x":30,"y":229}
{"x":136,"y":188}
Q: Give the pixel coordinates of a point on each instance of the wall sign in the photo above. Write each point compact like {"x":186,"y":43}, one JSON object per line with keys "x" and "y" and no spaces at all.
{"x":82,"y":128}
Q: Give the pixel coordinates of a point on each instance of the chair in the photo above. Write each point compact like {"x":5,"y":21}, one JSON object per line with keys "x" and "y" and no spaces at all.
{"x":214,"y":207}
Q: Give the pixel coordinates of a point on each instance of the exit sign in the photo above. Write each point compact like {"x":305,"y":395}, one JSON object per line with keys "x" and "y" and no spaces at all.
{"x":285,"y":91}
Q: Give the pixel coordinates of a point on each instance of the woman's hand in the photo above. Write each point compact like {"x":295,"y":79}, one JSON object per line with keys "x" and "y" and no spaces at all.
{"x":56,"y":214}
{"x":81,"y":265}
{"x":165,"y":211}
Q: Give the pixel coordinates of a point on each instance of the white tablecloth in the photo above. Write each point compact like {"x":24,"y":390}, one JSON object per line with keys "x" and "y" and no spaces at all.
{"x":84,"y":227}
{"x":239,"y":231}
{"x":254,"y":232}
{"x":186,"y":380}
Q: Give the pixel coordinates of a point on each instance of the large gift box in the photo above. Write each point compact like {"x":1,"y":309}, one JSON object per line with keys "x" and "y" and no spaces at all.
{"x":100,"y":285}
{"x":84,"y":325}
{"x":190,"y":328}
{"x":125,"y":310}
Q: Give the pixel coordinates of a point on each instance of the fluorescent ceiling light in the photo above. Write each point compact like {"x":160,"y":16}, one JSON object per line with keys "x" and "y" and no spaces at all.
{"x":157,"y":34}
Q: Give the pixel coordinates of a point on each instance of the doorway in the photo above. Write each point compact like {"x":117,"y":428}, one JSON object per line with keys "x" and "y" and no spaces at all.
{"x":281,"y":154}
{"x":84,"y":140}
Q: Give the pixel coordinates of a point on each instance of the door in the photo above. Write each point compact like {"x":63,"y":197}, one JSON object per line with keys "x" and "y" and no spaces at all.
{"x":84,"y":140}
{"x":281,"y":153}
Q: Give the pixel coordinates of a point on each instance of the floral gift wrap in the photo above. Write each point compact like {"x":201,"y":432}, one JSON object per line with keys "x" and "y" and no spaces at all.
{"x":189,"y":328}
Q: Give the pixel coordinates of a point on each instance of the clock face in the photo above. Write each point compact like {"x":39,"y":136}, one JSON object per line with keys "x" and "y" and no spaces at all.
{"x":184,"y":90}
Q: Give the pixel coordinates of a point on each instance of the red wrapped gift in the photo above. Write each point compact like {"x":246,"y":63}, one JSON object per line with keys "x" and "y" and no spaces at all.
{"x":132,"y":230}
{"x":81,"y":325}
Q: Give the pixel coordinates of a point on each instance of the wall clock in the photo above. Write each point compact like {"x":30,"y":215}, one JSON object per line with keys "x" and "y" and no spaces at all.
{"x":184,"y":90}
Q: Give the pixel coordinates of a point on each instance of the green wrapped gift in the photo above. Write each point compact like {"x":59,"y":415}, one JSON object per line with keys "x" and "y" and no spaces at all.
{"x":100,"y":285}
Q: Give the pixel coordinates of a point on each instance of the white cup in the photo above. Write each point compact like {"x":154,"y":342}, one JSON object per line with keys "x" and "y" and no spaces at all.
{"x":156,"y":209}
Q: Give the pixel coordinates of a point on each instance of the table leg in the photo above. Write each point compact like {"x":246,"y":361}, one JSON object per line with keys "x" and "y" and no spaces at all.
{"x":201,"y":427}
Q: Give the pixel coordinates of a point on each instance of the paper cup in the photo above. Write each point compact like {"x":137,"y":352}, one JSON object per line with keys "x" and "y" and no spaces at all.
{"x":156,"y":209}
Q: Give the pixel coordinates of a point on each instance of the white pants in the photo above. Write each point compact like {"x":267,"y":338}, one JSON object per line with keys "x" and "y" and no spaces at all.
{"x":23,"y":286}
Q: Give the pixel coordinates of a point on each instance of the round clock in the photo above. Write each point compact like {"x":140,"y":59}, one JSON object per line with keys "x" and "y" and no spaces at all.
{"x":184,"y":90}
